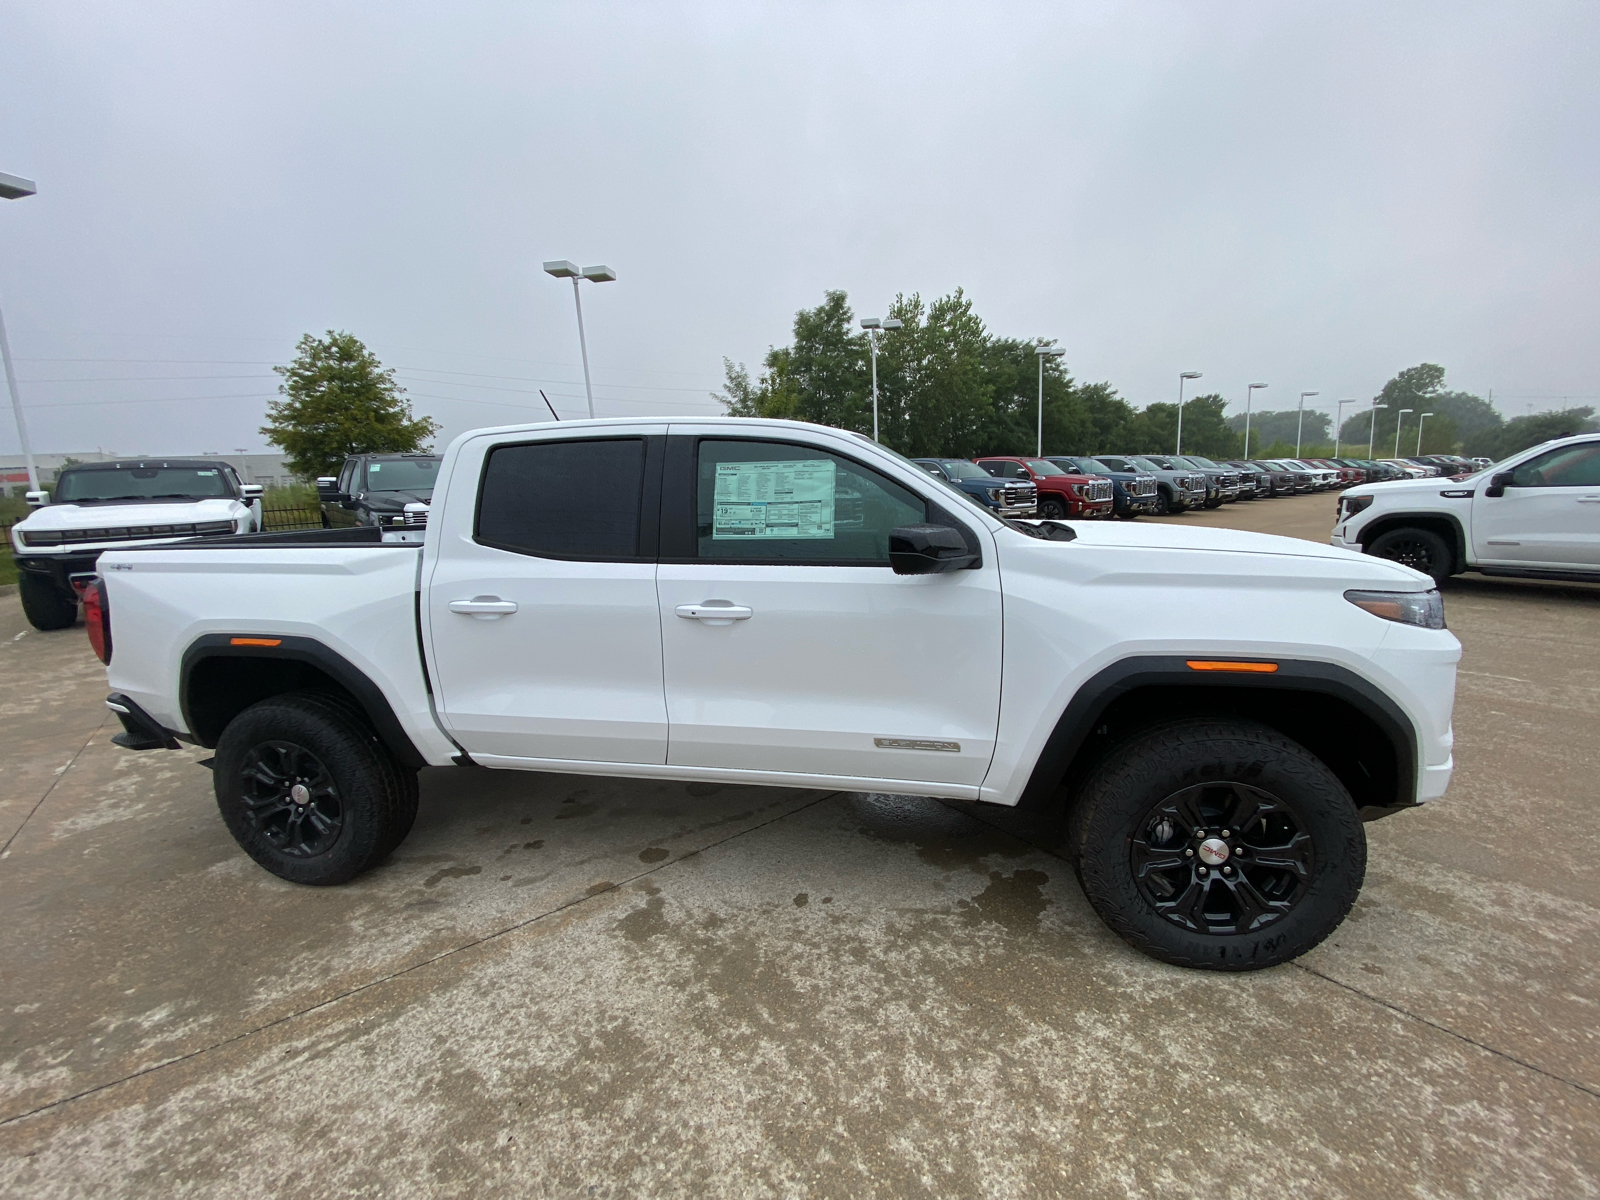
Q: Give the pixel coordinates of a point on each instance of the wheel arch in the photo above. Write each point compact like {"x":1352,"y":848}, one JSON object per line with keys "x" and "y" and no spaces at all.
{"x":1363,"y":736}
{"x":1445,"y":525}
{"x":222,"y":674}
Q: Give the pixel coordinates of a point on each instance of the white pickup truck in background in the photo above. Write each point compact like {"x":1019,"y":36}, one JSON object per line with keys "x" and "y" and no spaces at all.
{"x":770,"y":602}
{"x":94,"y":507}
{"x":1535,"y":515}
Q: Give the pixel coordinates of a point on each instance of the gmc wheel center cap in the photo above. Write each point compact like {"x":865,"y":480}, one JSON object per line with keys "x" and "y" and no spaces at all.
{"x":301,"y":794}
{"x":1213,"y":852}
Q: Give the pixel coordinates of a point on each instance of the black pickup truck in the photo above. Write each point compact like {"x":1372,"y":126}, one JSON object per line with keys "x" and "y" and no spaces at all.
{"x":374,"y":489}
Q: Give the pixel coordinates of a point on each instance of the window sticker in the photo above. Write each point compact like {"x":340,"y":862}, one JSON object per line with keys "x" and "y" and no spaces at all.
{"x":374,"y":468}
{"x":205,"y":473}
{"x":774,"y":499}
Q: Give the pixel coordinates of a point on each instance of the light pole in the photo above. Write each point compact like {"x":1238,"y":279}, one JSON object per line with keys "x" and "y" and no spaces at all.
{"x":1338,"y":424}
{"x":1372,"y":432}
{"x":562,"y":269}
{"x":1300,"y":425}
{"x":1181,"y":377}
{"x":1042,"y":352}
{"x":873,"y":325}
{"x":1248,"y":392}
{"x":1420,"y":420}
{"x":14,"y":187}
{"x":1399,"y":420}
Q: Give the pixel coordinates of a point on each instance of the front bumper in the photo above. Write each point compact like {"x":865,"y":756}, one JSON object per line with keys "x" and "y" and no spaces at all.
{"x":1016,"y":510}
{"x":58,"y":568}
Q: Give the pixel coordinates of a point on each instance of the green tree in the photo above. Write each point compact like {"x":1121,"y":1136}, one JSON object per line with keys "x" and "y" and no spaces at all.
{"x":1522,"y":432}
{"x":340,"y":400}
{"x":1205,"y":428}
{"x":1271,"y":427}
{"x":1417,"y":388}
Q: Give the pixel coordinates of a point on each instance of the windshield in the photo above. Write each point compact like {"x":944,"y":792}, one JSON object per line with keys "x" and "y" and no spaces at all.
{"x":143,"y":483}
{"x":402,"y":475}
{"x":1196,"y":460}
{"x":959,"y":469}
{"x":1087,"y":466}
{"x":1150,"y":465}
{"x":1039,"y":467}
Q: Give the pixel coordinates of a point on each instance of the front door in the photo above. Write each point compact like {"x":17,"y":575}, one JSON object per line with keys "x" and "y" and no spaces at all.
{"x":542,"y":617}
{"x":789,"y":643}
{"x":1549,"y":516}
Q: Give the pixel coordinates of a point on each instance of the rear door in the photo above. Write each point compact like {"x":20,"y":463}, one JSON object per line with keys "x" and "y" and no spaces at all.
{"x":789,"y":643}
{"x":1549,"y":516}
{"x":541,"y":598}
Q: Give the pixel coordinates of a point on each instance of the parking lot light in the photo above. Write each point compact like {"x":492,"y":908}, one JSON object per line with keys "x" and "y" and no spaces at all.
{"x":1254,"y":387}
{"x":1372,"y":432}
{"x":1300,"y":425}
{"x":14,"y":187}
{"x":874,"y":326}
{"x":1182,"y":376}
{"x":1338,"y":423}
{"x":563,"y":269}
{"x":1399,"y":420}
{"x":1420,"y":420}
{"x":1043,"y":351}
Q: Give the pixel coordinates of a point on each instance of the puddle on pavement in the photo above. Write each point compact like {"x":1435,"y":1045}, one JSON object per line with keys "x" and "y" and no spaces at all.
{"x":944,"y":836}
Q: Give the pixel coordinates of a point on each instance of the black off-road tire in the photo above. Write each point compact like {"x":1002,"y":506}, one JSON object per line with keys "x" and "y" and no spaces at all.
{"x":361,"y":803}
{"x":44,"y":604}
{"x":1274,"y":906}
{"x":1421,"y":549}
{"x":1164,"y":503}
{"x":1051,"y":509}
{"x":1127,"y":516}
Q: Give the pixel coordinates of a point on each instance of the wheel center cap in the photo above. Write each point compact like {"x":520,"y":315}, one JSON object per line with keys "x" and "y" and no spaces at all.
{"x":301,"y":794}
{"x":1213,"y":852}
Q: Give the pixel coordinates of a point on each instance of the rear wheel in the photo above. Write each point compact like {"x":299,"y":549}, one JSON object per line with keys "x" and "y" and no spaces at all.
{"x":1218,"y":844}
{"x":44,"y":604}
{"x":308,"y":790}
{"x":1051,"y":509}
{"x":1420,"y":549}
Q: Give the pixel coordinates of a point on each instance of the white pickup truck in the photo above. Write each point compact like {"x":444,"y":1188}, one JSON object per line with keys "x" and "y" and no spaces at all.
{"x":94,"y":507}
{"x":768,"y":602}
{"x":1535,"y":515}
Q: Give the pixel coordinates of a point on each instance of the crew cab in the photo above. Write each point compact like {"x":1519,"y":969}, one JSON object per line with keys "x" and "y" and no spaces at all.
{"x":1178,"y":489}
{"x":94,"y":507}
{"x":1008,"y":497}
{"x":1535,"y":514}
{"x":768,"y":602}
{"x":385,"y":490}
{"x":1062,"y":494}
{"x":1133,"y":492}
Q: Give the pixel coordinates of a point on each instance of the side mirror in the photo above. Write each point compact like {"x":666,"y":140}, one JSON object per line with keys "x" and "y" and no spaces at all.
{"x":1497,"y":484}
{"x":37,"y":499}
{"x":251,"y":491}
{"x":928,"y":550}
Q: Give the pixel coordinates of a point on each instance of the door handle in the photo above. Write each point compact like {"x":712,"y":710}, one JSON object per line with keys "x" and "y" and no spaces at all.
{"x":715,"y":612}
{"x":484,"y":608}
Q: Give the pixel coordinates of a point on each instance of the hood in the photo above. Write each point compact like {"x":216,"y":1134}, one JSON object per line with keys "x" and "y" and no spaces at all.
{"x":400,"y":499}
{"x":1428,"y":485}
{"x":1164,"y":536}
{"x":116,"y":516}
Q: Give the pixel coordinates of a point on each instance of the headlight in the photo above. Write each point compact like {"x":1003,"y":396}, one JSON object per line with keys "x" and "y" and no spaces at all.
{"x":994,"y":493}
{"x":1351,"y":505}
{"x":1423,"y":609}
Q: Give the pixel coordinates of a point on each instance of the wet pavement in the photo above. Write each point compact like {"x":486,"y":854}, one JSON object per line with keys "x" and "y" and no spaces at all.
{"x":571,"y":986}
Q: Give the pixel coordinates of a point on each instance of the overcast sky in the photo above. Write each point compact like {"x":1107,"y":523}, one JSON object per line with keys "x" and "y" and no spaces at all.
{"x":1311,"y":195}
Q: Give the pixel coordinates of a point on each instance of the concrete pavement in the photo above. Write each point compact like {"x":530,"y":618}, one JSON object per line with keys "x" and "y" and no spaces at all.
{"x":573,"y":986}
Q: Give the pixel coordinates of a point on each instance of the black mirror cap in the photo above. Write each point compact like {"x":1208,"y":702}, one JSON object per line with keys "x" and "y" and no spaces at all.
{"x":928,"y":550}
{"x":1497,"y":484}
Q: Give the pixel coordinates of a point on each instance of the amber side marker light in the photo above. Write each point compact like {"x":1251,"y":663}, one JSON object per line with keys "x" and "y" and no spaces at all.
{"x":255,"y":641}
{"x":1253,"y":668}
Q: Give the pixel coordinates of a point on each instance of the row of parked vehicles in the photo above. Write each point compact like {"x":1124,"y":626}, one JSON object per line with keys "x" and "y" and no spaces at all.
{"x":1062,"y":486}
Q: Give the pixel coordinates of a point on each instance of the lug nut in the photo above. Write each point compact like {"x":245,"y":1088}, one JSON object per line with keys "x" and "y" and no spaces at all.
{"x":1188,"y":853}
{"x":1224,"y":833}
{"x":1202,"y":872}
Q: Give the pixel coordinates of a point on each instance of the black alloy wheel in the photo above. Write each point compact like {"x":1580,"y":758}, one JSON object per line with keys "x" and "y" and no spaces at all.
{"x":1221,"y":858}
{"x":1420,"y":549}
{"x":1051,"y":509}
{"x":1163,"y":503}
{"x":1218,"y":844}
{"x":290,"y":799}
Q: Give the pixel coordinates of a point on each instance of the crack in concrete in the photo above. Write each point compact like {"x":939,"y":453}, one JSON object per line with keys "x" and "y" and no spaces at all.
{"x":393,"y":975}
{"x":5,"y":851}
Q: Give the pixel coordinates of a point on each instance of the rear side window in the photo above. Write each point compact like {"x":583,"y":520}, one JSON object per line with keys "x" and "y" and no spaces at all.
{"x":563,"y":499}
{"x":772,"y":501}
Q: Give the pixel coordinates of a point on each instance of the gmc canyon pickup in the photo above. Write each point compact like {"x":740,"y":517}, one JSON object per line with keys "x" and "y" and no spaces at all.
{"x":770,"y":602}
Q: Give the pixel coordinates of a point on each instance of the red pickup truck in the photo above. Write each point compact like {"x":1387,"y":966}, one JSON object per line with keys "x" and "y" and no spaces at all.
{"x":1060,"y":495}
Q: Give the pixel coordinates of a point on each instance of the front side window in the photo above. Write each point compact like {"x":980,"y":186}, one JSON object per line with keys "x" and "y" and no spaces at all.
{"x":961,"y":469}
{"x":577,"y":500}
{"x":1568,"y":466}
{"x":1040,"y":467}
{"x":775,"y":502}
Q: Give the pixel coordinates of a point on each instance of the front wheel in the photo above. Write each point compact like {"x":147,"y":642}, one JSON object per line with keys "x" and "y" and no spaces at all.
{"x":1051,"y":509}
{"x":1420,"y":549}
{"x":308,"y":790}
{"x":1163,"y":504}
{"x":44,"y":604}
{"x":1218,"y":844}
